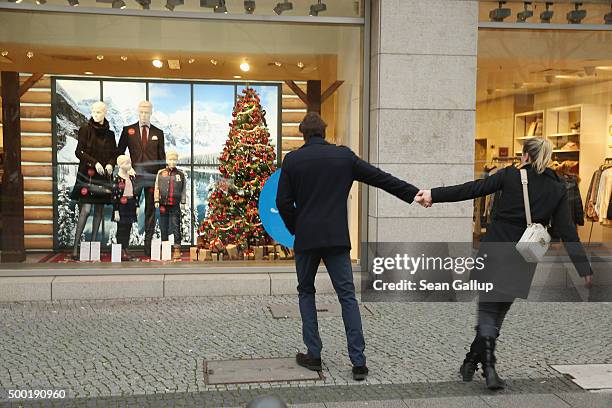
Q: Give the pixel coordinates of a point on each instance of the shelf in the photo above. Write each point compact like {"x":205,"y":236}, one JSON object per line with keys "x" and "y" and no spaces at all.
{"x":526,"y":137}
{"x":566,"y":151}
{"x":564,"y":134}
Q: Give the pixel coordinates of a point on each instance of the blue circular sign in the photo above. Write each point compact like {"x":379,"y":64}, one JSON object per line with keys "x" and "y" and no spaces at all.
{"x":269,"y":215}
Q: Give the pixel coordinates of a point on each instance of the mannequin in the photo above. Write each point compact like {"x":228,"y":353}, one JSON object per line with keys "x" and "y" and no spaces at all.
{"x":146,"y":145}
{"x":97,"y":152}
{"x":125,"y":203}
{"x":170,"y":197}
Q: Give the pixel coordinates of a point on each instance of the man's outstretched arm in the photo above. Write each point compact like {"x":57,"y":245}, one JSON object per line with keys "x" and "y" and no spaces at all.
{"x":373,"y":176}
{"x":285,"y":201}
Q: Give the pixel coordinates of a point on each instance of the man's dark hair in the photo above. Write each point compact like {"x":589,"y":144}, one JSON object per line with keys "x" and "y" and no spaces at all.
{"x":312,"y":125}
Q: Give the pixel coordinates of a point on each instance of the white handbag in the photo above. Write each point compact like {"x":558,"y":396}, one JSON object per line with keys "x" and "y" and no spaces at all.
{"x":535,"y":240}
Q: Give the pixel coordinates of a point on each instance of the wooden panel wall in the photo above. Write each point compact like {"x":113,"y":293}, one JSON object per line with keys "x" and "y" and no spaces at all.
{"x":36,"y":164}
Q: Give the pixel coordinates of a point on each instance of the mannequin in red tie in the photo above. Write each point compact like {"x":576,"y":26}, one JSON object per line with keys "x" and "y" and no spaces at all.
{"x":145,"y":143}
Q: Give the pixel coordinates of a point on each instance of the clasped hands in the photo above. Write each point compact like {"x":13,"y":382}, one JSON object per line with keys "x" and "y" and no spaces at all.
{"x":109,"y":170}
{"x":423,"y":197}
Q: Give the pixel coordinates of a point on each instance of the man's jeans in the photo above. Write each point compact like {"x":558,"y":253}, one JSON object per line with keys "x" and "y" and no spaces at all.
{"x":338,"y":263}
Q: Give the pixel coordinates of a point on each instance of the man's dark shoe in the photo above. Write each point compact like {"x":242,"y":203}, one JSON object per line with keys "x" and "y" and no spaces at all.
{"x":360,"y":373}
{"x":310,"y":363}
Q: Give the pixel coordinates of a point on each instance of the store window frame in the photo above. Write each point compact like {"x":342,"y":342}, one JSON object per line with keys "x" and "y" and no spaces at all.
{"x":147,"y":81}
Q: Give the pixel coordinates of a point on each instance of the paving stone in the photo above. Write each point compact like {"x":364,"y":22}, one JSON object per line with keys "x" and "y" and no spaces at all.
{"x":588,"y":376}
{"x":587,"y":400}
{"x":323,"y":311}
{"x":526,"y":400}
{"x":367,"y":404}
{"x":448,"y":402}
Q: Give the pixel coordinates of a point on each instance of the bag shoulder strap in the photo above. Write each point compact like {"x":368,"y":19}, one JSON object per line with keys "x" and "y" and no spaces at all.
{"x":524,"y":182}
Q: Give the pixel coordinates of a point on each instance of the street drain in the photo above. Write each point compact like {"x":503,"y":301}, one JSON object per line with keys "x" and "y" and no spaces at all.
{"x":588,"y":376}
{"x":256,"y":371}
{"x":323,"y":311}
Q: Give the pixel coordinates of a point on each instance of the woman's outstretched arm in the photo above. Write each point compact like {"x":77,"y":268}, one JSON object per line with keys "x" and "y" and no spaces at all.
{"x":469,"y":190}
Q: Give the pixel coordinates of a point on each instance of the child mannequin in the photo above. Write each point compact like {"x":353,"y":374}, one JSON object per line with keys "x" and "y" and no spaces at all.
{"x":125,"y":203}
{"x":170,"y":197}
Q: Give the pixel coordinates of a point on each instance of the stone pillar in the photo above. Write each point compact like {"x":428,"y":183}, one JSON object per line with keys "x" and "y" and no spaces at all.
{"x":422,"y":114}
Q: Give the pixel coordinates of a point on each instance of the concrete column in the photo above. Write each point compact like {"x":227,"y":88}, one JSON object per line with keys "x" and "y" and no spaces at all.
{"x":422,"y":113}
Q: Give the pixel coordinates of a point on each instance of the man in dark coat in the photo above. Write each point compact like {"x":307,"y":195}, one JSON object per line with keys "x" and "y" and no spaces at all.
{"x":146,"y":145}
{"x":312,"y":200}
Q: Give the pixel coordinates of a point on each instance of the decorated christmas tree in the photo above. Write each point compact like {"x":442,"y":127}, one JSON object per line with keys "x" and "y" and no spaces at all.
{"x":232,"y":217}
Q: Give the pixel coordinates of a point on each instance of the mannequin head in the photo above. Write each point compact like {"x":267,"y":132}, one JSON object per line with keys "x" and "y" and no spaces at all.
{"x":98,"y":112}
{"x":145,"y":109}
{"x":125,"y":163}
{"x":172,"y":159}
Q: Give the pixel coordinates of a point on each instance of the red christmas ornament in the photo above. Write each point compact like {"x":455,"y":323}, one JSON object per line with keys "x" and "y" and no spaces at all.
{"x":123,"y":200}
{"x":84,"y":191}
{"x":162,"y":209}
{"x":91,"y":172}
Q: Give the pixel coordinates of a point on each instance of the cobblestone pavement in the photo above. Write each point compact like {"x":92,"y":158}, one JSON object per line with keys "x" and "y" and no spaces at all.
{"x":150,"y":352}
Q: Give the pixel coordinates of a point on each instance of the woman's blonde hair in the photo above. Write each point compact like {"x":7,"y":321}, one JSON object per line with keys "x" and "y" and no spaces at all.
{"x":539,"y":151}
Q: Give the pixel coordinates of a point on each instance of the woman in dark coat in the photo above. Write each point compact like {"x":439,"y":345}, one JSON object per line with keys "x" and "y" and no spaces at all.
{"x":97,"y":154}
{"x":510,"y":274}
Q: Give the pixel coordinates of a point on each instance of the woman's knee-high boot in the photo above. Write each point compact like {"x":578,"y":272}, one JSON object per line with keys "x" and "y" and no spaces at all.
{"x":472,"y":358}
{"x":488,"y":365}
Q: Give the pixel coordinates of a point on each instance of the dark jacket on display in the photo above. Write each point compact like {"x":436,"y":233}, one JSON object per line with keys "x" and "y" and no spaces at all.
{"x":313,"y":190}
{"x":125,"y":205}
{"x":549,"y":204}
{"x":170,"y":187}
{"x":96,"y":144}
{"x":147,"y":159}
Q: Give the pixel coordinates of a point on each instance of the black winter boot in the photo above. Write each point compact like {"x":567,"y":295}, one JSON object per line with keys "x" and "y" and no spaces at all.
{"x":472,"y":358}
{"x":488,"y":365}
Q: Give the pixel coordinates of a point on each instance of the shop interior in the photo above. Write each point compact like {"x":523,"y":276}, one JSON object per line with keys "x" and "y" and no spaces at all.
{"x":189,"y":69}
{"x":555,"y":84}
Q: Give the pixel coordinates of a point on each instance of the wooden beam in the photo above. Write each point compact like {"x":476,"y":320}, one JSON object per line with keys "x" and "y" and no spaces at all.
{"x":298,"y":91}
{"x":12,"y":238}
{"x":330,"y":91}
{"x":30,"y":83}
{"x":313,"y":90}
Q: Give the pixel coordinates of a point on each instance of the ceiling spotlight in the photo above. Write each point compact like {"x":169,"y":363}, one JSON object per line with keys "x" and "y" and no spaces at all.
{"x":99,"y":57}
{"x":547,"y":14}
{"x":190,"y":60}
{"x":300,"y":65}
{"x":73,"y":3}
{"x":15,"y":1}
{"x":221,"y":7}
{"x":237,"y":76}
{"x":284,"y":6}
{"x":4,"y":53}
{"x":214,"y":61}
{"x":245,"y":67}
{"x":88,"y":73}
{"x":525,"y":14}
{"x":499,"y":13}
{"x":608,"y":17}
{"x":171,"y":4}
{"x":249,"y":6}
{"x":39,"y":2}
{"x":157,"y":63}
{"x":576,"y":16}
{"x":29,"y":54}
{"x":123,"y":58}
{"x":278,"y":64}
{"x":315,"y":9}
{"x":119,"y":4}
{"x":145,"y":4}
